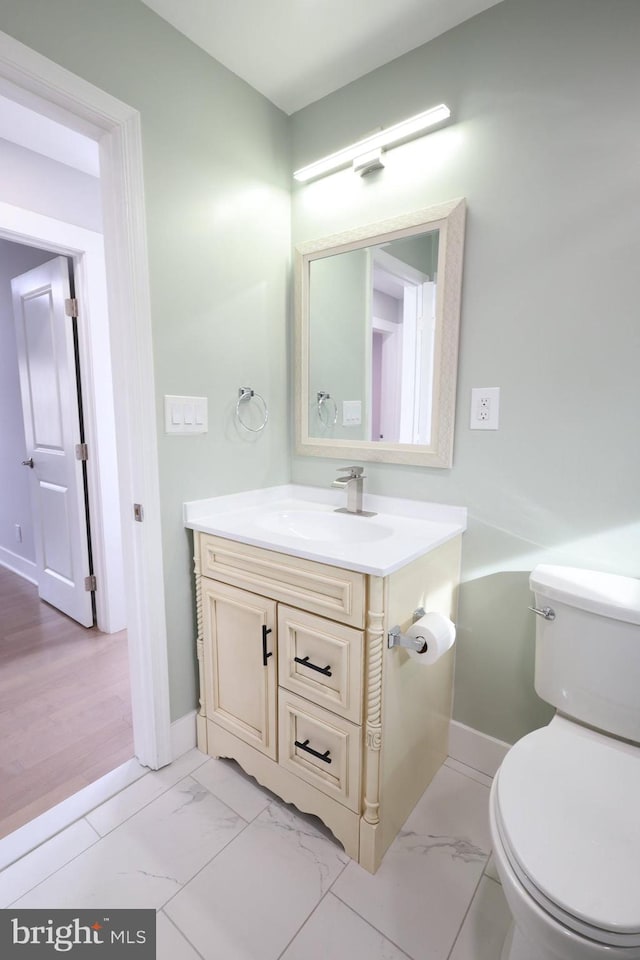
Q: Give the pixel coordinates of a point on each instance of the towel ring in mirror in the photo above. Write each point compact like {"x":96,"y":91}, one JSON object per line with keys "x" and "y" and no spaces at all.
{"x":324,"y":411}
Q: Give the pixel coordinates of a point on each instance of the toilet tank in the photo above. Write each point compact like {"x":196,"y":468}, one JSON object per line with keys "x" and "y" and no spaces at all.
{"x":588,"y":655}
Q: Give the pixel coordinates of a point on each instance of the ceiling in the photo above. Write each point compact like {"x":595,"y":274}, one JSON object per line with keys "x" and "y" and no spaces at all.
{"x":297,"y":51}
{"x":36,"y":132}
{"x":292,"y":51}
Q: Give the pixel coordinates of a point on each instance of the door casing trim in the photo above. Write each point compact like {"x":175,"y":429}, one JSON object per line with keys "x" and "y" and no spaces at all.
{"x":55,"y":92}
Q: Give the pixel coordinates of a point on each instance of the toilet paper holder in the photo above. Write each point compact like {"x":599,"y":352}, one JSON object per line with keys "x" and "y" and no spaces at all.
{"x":396,"y":638}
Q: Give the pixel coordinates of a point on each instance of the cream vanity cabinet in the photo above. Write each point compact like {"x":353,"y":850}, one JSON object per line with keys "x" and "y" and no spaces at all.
{"x":297,"y":683}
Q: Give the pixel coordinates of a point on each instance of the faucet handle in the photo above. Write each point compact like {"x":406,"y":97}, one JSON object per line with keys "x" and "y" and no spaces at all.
{"x":352,"y":471}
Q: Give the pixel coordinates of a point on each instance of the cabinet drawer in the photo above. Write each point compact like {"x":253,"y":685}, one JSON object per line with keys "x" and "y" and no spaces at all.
{"x":320,"y":748}
{"x":331,"y":672}
{"x":317,"y":587}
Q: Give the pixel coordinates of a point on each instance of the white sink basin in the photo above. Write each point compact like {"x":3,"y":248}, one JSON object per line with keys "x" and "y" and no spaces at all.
{"x":302,"y":522}
{"x":324,"y":527}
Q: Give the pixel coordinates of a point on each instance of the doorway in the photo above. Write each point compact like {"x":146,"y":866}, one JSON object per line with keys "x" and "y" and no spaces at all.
{"x":48,"y":497}
{"x":65,"y":715}
{"x":55,"y":93}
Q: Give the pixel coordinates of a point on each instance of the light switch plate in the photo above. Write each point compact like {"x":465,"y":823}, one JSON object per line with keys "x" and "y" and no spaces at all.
{"x":351,"y":413}
{"x":185,"y":414}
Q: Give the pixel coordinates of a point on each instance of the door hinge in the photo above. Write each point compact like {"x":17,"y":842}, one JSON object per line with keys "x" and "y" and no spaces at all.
{"x":71,"y":307}
{"x":81,"y":451}
{"x":90,"y":583}
{"x":138,"y":512}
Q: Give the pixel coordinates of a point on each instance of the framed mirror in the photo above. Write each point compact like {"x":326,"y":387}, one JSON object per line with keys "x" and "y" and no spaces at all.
{"x":377,"y":322}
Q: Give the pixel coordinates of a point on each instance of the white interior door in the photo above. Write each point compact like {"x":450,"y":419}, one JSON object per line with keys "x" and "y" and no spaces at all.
{"x":49,"y":387}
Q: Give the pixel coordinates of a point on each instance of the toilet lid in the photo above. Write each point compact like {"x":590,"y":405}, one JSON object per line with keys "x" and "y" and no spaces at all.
{"x":569,"y":805}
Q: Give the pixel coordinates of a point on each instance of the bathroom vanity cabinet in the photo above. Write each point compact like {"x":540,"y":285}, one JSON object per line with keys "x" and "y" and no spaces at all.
{"x":297,"y":683}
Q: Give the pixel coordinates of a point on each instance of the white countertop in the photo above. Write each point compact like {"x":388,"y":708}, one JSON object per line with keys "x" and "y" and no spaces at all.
{"x":401,"y":531}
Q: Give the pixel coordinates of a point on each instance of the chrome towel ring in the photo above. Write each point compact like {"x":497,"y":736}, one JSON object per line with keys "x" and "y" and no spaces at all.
{"x":245,"y":394}
{"x":324,"y":412}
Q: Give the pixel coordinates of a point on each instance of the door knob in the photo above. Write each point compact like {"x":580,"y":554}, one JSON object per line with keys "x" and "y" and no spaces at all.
{"x":28,"y":463}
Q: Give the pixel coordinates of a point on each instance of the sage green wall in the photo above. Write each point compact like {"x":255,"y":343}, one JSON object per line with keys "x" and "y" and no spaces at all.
{"x":545,"y":149}
{"x":217,"y":179}
{"x":420,"y":252}
{"x":545,"y":146}
{"x":338,"y":304}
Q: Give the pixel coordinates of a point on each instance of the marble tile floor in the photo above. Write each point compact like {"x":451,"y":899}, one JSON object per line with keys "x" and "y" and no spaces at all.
{"x":236,"y":874}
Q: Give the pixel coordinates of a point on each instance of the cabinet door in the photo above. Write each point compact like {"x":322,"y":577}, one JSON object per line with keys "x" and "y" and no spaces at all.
{"x":240,"y":668}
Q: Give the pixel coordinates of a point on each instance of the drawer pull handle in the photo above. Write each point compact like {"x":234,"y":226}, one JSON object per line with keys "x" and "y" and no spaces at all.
{"x":265,"y":656}
{"x":305,"y":746}
{"x":312,"y":666}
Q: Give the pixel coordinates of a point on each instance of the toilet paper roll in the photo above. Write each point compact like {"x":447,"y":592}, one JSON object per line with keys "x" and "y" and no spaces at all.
{"x":438,"y":633}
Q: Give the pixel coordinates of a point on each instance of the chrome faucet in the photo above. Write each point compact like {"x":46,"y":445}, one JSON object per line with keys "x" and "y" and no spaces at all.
{"x":353,"y":482}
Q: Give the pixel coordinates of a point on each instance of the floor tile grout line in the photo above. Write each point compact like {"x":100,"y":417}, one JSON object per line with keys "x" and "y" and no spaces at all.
{"x":247,"y":823}
{"x":100,"y":837}
{"x":181,"y":932}
{"x":321,"y":900}
{"x":144,"y":805}
{"x":57,"y":869}
{"x":305,"y":921}
{"x":87,"y":814}
{"x":373,"y":926}
{"x":466,"y":913}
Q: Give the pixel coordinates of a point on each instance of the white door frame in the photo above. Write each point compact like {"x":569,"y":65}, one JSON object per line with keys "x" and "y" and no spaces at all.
{"x":37,"y":82}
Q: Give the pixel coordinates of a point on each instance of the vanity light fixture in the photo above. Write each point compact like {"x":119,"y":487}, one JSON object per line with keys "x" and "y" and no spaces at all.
{"x":366,"y":154}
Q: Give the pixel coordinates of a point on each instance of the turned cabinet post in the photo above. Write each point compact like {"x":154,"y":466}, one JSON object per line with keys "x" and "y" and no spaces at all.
{"x":201,"y":719}
{"x":373,"y":721}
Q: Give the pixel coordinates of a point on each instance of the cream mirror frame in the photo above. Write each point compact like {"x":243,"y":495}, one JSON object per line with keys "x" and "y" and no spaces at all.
{"x":445,"y":219}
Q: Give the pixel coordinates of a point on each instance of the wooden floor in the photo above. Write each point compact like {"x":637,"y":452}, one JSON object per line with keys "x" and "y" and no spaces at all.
{"x":65,"y":706}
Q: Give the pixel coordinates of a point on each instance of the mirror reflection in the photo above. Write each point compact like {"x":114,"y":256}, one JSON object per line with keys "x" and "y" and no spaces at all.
{"x":372,"y":314}
{"x":377,"y":319}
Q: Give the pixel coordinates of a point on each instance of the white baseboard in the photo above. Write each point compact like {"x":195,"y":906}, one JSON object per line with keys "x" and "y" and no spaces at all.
{"x":183,"y":734}
{"x":24,"y":568}
{"x":476,"y":749}
{"x":48,"y":824}
{"x":32,"y":834}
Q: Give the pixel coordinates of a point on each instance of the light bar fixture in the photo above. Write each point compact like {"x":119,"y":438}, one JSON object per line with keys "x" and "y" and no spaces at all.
{"x":373,"y":145}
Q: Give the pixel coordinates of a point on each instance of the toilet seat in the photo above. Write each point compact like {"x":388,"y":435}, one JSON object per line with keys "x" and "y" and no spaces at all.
{"x":567,"y":812}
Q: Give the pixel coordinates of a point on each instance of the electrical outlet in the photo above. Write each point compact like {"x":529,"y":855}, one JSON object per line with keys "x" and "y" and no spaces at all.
{"x":485,"y":408}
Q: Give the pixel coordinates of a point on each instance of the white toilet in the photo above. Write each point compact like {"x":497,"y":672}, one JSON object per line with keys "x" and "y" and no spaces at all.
{"x":565,"y":803}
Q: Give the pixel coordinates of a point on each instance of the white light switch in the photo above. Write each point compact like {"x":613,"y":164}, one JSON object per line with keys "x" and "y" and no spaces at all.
{"x":351,"y":413}
{"x":185,"y":414}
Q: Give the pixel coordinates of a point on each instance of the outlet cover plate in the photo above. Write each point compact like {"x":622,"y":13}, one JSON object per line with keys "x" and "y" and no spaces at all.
{"x":485,"y":408}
